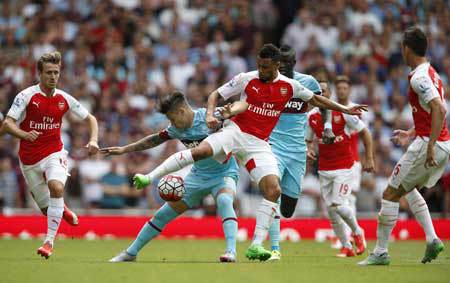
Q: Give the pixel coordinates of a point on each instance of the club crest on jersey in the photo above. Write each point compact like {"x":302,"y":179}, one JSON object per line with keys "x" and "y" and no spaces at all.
{"x":283,"y":90}
{"x":61,"y":105}
{"x":337,"y":119}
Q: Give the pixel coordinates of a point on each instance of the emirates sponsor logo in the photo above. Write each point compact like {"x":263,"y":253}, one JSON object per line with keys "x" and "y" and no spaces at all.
{"x":264,"y":111}
{"x":61,"y":105}
{"x":46,"y":124}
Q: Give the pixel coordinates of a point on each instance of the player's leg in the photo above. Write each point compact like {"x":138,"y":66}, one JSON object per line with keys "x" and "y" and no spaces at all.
{"x":165,"y":214}
{"x":213,"y":145}
{"x":265,"y":214}
{"x":329,"y":195}
{"x":274,"y":229}
{"x":41,"y":196}
{"x":55,"y":172}
{"x":224,"y":194}
{"x":291,"y":184}
{"x":343,"y":186}
{"x":420,"y":210}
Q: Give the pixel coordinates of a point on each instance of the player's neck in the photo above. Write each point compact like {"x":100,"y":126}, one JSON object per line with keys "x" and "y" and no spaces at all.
{"x":47,"y":91}
{"x":416,"y":61}
{"x":343,"y":101}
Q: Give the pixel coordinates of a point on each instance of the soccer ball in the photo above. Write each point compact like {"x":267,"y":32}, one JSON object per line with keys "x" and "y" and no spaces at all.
{"x":171,"y":188}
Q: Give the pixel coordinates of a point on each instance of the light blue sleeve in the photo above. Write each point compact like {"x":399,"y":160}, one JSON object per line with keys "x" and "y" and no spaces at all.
{"x":172,"y":132}
{"x":313,"y":85}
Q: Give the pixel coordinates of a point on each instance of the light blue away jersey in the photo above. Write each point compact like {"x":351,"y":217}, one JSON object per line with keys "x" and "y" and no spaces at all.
{"x":191,"y":137}
{"x":288,"y":136}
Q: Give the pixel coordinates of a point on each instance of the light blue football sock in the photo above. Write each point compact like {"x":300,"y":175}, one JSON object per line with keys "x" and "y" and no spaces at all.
{"x":274,"y":230}
{"x":229,"y":221}
{"x":152,"y":228}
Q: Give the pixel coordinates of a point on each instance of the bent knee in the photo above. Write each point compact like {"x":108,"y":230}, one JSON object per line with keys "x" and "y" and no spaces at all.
{"x":202,"y":151}
{"x":393,"y":194}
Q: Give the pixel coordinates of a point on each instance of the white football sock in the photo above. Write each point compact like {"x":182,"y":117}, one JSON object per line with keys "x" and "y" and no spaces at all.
{"x":419,"y":207}
{"x":264,"y":218}
{"x":386,"y":221}
{"x":54,"y":213}
{"x":338,"y":226}
{"x":174,"y":163}
{"x":347,"y":215}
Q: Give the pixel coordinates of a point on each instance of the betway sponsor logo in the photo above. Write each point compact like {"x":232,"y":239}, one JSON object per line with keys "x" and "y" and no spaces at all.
{"x":266,"y":110}
{"x":46,"y":124}
{"x":294,"y":105}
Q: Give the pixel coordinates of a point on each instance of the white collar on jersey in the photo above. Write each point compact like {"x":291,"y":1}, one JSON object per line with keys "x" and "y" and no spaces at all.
{"x":423,"y":65}
{"x":43,"y":93}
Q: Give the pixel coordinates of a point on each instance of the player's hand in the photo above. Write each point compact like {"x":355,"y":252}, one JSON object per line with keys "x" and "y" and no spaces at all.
{"x":211,"y":121}
{"x":328,"y":136}
{"x":357,"y":109}
{"x":311,"y":155}
{"x":225,"y":111}
{"x":92,"y":147}
{"x":368,"y":165}
{"x":31,"y":136}
{"x":400,"y":137}
{"x":114,"y":150}
{"x":430,"y":161}
{"x":140,"y":181}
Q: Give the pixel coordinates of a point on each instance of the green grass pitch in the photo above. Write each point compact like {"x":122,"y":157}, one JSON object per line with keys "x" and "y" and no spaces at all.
{"x":195,"y":261}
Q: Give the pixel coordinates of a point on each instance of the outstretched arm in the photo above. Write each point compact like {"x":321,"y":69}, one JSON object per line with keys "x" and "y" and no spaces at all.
{"x":142,"y":144}
{"x":323,"y":102}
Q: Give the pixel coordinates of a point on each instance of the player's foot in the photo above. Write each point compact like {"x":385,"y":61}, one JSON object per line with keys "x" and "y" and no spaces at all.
{"x":360,"y":243}
{"x":45,"y":250}
{"x":432,"y":251}
{"x":228,"y":256}
{"x":140,"y":181}
{"x":123,"y":257}
{"x":275,"y":256}
{"x":374,"y":259}
{"x":70,"y":217}
{"x":257,"y":252}
{"x":346,"y":252}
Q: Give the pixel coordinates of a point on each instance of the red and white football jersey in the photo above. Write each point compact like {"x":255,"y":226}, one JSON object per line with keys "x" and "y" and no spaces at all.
{"x":425,"y":85}
{"x":338,"y":155}
{"x":266,"y":100}
{"x":35,"y":111}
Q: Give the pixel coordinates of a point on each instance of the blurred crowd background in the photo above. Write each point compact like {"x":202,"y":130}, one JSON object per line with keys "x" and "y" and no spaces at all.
{"x":120,"y":56}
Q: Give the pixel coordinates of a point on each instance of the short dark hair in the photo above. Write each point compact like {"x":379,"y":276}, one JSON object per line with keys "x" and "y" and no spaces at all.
{"x":287,"y":49}
{"x":342,"y":79}
{"x":269,"y":51}
{"x":416,"y":40}
{"x":171,"y":102}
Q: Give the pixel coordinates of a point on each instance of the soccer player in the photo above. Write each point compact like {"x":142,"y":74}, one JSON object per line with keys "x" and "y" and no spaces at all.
{"x":336,"y":171}
{"x":266,"y":91}
{"x":39,"y":110}
{"x":289,"y":146}
{"x":343,"y":89}
{"x":424,"y":162}
{"x":206,"y":177}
